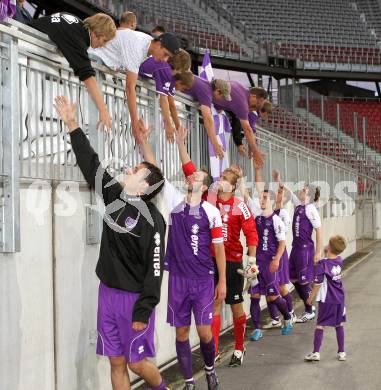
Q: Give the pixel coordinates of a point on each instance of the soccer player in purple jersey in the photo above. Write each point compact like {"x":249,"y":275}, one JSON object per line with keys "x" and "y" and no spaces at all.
{"x":329,"y":292}
{"x":162,"y":72}
{"x":202,"y":91}
{"x":272,"y":243}
{"x":303,"y":255}
{"x":130,"y":259}
{"x":284,"y":272}
{"x":195,"y":225}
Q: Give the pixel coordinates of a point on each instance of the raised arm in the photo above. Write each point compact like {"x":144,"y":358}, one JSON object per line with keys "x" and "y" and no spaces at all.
{"x":257,"y":154}
{"x":259,"y":183}
{"x":131,"y":79}
{"x":145,"y":146}
{"x":104,"y":117}
{"x":87,"y":158}
{"x":181,"y":136}
{"x":166,"y":113}
{"x":211,"y":130}
{"x":173,"y":109}
{"x":277,"y":179}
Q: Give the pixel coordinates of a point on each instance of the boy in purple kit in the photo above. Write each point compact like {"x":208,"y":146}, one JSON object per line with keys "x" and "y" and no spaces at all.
{"x":272,"y":243}
{"x":303,"y":256}
{"x":202,"y":91}
{"x":130,"y":259}
{"x":329,"y":292}
{"x":162,"y":73}
{"x":194,"y":225}
{"x":284,"y":272}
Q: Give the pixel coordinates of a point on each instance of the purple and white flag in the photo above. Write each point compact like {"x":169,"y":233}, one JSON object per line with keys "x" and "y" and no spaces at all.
{"x":206,"y":68}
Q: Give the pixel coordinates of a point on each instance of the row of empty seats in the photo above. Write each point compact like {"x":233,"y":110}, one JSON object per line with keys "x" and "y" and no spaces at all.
{"x":293,"y":127}
{"x":176,"y":16}
{"x":288,"y":28}
{"x":371,"y":110}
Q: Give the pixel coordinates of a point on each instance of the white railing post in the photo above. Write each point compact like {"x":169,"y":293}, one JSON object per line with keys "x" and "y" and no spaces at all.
{"x":10,"y":126}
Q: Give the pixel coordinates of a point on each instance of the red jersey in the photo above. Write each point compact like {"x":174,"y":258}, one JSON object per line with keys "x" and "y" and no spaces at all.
{"x":236,"y":216}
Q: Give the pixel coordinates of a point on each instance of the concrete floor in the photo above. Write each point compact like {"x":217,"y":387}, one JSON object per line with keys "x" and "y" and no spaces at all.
{"x":276,"y":362}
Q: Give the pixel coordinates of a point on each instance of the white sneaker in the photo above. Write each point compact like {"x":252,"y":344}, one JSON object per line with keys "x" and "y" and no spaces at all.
{"x":342,"y":356}
{"x":293,"y":317}
{"x":305,"y":317}
{"x":273,"y":324}
{"x":312,"y":357}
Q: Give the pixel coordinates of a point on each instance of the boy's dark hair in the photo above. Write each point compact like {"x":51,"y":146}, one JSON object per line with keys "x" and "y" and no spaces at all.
{"x":314,"y":192}
{"x":337,"y":244}
{"x":271,"y":193}
{"x":158,"y":29}
{"x":259,"y":92}
{"x":153,"y":179}
{"x":208,"y":179}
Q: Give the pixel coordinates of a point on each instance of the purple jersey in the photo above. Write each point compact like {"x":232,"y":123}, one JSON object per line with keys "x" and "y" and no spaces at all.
{"x":192,"y":231}
{"x":161,"y":72}
{"x":201,"y":91}
{"x":306,"y":219}
{"x":270,"y":230}
{"x":253,"y":118}
{"x":239,"y":104}
{"x":328,"y":275}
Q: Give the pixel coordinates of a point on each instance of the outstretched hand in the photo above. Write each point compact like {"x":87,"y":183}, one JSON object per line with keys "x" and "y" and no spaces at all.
{"x":144,"y":131}
{"x":181,"y":134}
{"x":67,"y":111}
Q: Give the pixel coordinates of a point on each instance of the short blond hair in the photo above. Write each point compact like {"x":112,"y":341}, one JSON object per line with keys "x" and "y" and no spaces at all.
{"x":180,"y":61}
{"x":101,"y":25}
{"x":337,"y":244}
{"x":128,"y":17}
{"x":266,"y":107}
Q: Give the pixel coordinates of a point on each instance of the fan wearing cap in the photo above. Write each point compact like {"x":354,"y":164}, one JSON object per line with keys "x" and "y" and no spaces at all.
{"x":203,"y":92}
{"x":241,"y":103}
{"x":127,"y":51}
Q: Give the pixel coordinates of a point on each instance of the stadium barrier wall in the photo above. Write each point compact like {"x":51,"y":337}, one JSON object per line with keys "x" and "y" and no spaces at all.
{"x":48,"y":289}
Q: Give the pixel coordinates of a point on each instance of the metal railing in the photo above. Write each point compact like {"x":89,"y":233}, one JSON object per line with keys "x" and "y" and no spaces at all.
{"x":35,"y":145}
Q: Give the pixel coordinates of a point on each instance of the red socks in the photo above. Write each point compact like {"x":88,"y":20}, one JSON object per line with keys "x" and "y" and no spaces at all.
{"x":216,"y":327}
{"x":239,"y":332}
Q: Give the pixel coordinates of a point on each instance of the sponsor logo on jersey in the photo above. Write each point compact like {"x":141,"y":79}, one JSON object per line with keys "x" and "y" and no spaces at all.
{"x":245,"y":211}
{"x":141,"y":349}
{"x":265,"y":239}
{"x":210,"y":316}
{"x":194,"y":239}
{"x":297,"y":226}
{"x":156,"y":254}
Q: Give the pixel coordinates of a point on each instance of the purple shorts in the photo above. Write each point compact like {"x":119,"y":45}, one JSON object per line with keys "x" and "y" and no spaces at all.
{"x":115,"y":334}
{"x":284,"y":269}
{"x":267,"y":282}
{"x":302,"y":264}
{"x":331,"y":314}
{"x":189,"y":295}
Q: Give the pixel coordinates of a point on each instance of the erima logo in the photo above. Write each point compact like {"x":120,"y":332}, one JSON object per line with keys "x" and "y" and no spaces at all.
{"x":156,"y":255}
{"x":141,"y":349}
{"x":194,"y":239}
{"x":336,"y":272}
{"x":236,"y":297}
{"x":210,"y":316}
{"x":271,"y":290}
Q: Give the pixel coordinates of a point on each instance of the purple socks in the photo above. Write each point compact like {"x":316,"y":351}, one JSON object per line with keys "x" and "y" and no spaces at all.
{"x":304,"y":291}
{"x":340,"y":338}
{"x":290,"y":305}
{"x":318,"y":339}
{"x":184,"y":356}
{"x":273,"y":311}
{"x":255,"y":311}
{"x":282,"y":307}
{"x":162,"y":386}
{"x":208,"y":353}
